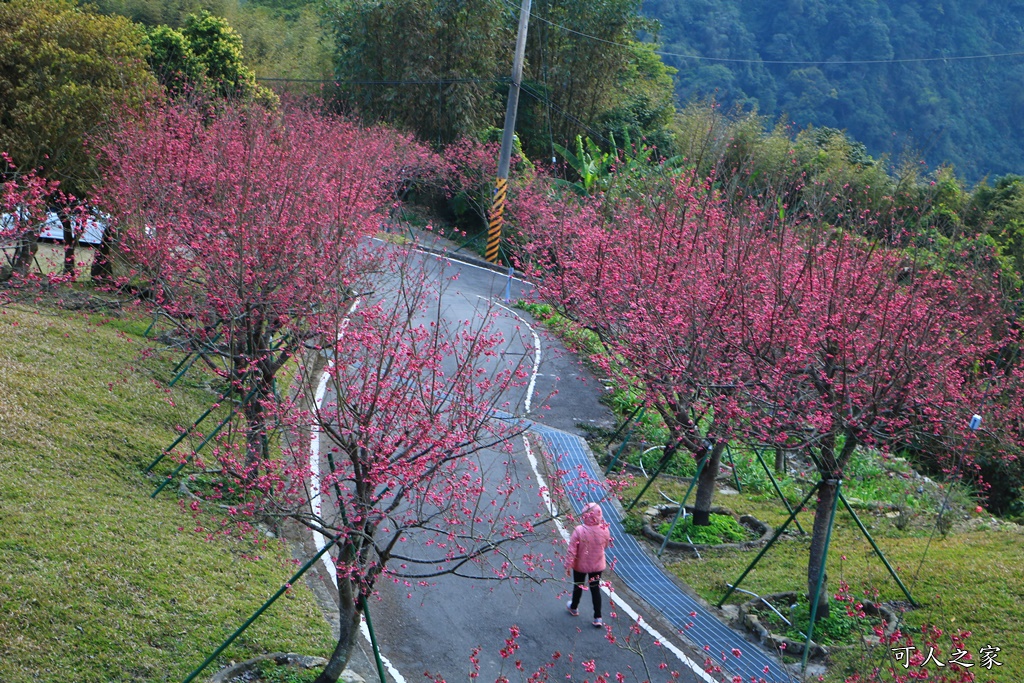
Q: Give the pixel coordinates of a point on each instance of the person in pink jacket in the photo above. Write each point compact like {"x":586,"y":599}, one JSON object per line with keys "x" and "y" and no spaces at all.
{"x":586,"y":559}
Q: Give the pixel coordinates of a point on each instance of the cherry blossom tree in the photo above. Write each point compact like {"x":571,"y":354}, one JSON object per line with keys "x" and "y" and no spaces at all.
{"x":857,"y":346}
{"x":410,"y":475}
{"x":666,"y":284}
{"x":249,"y":226}
{"x":24,"y":201}
{"x":255,"y":227}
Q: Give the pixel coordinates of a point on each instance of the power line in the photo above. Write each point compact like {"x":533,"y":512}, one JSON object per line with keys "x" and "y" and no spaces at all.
{"x":902,"y":60}
{"x":335,"y":81}
{"x":569,"y":117}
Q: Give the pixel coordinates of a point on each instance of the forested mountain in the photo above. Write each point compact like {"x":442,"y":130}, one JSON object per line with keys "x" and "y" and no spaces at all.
{"x":929,"y":76}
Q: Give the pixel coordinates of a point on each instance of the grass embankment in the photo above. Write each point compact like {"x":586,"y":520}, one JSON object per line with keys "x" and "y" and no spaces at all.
{"x":98,"y":581}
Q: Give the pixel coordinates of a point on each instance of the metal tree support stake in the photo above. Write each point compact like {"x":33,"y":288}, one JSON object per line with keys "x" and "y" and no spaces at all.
{"x":682,"y":504}
{"x":878,"y":551}
{"x":191,"y":358}
{"x":821,"y":571}
{"x":639,"y":415}
{"x":775,"y":484}
{"x":778,"y":532}
{"x":188,"y":431}
{"x":373,"y":638}
{"x":732,"y":463}
{"x":662,"y":464}
{"x":207,"y":440}
{"x":261,"y":610}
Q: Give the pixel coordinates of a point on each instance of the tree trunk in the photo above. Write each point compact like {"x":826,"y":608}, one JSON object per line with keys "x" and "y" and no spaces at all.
{"x":102,"y":264}
{"x":24,"y":254}
{"x":706,"y":485}
{"x":348,"y":623}
{"x":256,"y":449}
{"x":71,"y":238}
{"x":780,"y":460}
{"x":822,"y":522}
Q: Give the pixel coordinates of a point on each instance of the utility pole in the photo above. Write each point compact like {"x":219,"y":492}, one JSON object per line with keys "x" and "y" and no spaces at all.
{"x":495,"y":217}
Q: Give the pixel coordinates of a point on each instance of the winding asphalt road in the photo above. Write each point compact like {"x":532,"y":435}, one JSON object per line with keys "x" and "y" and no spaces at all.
{"x":434,"y":629}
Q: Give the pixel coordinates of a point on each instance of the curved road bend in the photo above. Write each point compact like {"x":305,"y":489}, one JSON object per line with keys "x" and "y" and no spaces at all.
{"x":436,"y":628}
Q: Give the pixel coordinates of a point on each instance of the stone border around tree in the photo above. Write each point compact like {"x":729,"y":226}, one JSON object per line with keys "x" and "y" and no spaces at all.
{"x":664,"y":511}
{"x":790,"y":646}
{"x":238,"y":671}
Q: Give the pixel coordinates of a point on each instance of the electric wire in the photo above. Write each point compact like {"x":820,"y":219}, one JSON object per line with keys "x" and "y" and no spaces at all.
{"x":901,"y":60}
{"x":544,"y":100}
{"x":544,"y":80}
{"x":335,"y":81}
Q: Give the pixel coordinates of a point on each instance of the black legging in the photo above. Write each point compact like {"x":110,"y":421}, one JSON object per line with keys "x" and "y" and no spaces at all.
{"x":578,"y":578}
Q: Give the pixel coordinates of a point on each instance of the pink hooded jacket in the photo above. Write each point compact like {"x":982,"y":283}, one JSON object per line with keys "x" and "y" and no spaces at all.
{"x":588,"y":541}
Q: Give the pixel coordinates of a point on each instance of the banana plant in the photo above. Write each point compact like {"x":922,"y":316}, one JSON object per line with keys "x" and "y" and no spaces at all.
{"x":599,"y":170}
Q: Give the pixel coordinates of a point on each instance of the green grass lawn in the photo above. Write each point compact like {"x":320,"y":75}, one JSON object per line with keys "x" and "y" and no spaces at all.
{"x":99,"y":582}
{"x":972,"y":580}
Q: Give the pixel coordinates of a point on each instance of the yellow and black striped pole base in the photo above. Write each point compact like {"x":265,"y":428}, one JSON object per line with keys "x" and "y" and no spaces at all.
{"x":495,"y":218}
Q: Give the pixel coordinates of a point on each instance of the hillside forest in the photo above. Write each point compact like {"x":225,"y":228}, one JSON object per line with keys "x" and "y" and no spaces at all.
{"x":940,"y":78}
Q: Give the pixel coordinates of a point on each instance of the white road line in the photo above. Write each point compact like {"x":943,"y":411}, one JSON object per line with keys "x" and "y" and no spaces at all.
{"x":614,"y":597}
{"x":536,"y":355}
{"x":455,"y":259}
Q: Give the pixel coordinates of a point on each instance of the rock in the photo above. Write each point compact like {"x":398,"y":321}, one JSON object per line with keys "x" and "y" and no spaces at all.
{"x":731,"y":612}
{"x":234,"y":671}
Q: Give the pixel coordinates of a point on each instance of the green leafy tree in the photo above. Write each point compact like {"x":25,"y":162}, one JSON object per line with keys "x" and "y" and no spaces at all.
{"x":429,"y":65}
{"x":64,"y":73}
{"x":174,"y":62}
{"x":205,"y":57}
{"x":589,"y":74}
{"x":218,"y":47}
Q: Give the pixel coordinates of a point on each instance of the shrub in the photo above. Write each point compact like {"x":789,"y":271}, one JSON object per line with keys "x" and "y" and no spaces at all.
{"x":723,"y":529}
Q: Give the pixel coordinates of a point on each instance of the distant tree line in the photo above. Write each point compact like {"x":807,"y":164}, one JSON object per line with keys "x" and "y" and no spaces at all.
{"x":824,"y":63}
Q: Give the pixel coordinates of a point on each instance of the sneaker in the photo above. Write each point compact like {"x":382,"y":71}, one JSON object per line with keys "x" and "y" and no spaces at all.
{"x":573,"y":612}
{"x":598,"y":623}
